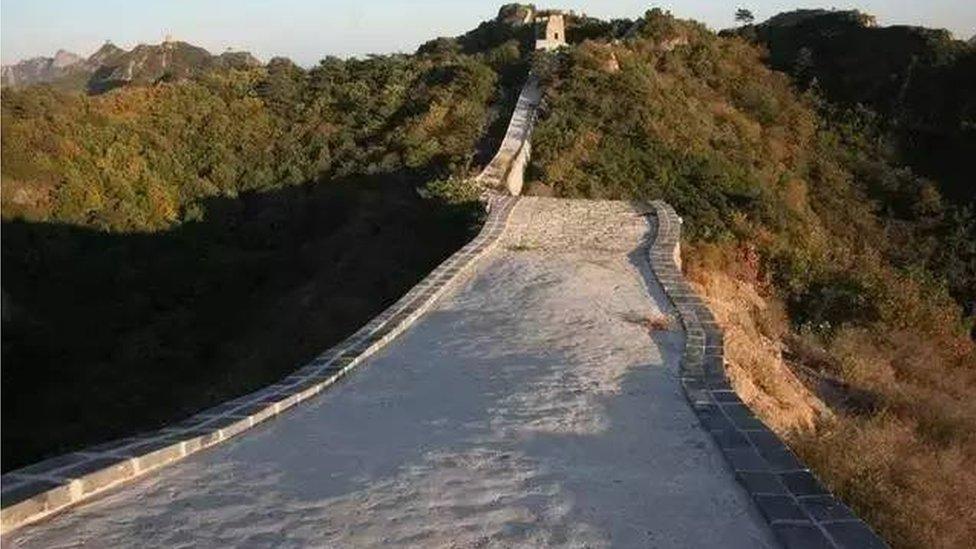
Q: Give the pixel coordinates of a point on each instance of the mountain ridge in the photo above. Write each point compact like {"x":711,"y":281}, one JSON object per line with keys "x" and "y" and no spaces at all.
{"x":111,"y":66}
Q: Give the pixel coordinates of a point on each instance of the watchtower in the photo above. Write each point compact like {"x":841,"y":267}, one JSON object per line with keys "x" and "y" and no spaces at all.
{"x":550,"y":30}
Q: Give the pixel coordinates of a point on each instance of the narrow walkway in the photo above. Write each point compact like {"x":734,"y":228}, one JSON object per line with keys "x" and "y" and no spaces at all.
{"x":531,"y":407}
{"x":516,"y":137}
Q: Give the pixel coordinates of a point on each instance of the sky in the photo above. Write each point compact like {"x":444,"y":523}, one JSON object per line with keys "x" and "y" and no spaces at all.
{"x":308,"y":30}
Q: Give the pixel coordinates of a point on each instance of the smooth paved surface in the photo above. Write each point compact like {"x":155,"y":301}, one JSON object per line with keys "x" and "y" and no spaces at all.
{"x":531,"y":407}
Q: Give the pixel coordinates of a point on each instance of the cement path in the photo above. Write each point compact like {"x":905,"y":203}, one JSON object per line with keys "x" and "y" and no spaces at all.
{"x":531,"y":407}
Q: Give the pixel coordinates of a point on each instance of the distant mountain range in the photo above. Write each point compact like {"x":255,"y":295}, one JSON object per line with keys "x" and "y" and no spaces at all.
{"x":111,"y":66}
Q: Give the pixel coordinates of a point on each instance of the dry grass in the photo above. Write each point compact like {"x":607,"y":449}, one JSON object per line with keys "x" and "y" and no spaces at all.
{"x":917,"y":494}
{"x":754,"y":326}
{"x":885,"y":417}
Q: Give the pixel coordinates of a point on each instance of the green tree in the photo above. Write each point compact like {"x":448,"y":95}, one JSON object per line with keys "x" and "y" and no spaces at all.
{"x":744,"y":16}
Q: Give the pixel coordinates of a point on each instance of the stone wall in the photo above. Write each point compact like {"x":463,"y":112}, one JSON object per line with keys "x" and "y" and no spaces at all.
{"x":36,"y":491}
{"x":798,"y":508}
{"x":507,"y":168}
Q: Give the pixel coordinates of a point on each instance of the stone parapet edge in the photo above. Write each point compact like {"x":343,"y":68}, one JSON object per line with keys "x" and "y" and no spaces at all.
{"x":41,"y":489}
{"x":799,"y":510}
{"x":514,"y":150}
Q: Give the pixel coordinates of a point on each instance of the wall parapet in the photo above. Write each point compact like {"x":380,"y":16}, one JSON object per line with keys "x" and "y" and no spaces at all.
{"x":799,"y":509}
{"x":41,"y":489}
{"x":507,"y":168}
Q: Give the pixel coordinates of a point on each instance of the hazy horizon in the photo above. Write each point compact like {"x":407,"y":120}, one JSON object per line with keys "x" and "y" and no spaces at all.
{"x":308,"y":31}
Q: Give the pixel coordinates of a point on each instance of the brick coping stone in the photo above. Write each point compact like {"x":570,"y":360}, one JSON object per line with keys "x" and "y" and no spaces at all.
{"x":41,"y":489}
{"x":799,"y":509}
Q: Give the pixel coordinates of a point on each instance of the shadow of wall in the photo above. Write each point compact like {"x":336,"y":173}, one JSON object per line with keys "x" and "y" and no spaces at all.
{"x":108,"y":334}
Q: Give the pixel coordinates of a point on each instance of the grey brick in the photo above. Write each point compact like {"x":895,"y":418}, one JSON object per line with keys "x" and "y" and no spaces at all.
{"x":726,"y":396}
{"x":854,"y":535}
{"x":826,"y":508}
{"x":780,"y":508}
{"x":745,"y":459}
{"x":782,"y":460}
{"x":712,"y":418}
{"x":761,"y":483}
{"x":742,"y":416}
{"x":801,"y":536}
{"x":802,"y":483}
{"x":730,"y":438}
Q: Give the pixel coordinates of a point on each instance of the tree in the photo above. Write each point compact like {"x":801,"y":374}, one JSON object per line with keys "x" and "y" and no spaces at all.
{"x":745,"y":16}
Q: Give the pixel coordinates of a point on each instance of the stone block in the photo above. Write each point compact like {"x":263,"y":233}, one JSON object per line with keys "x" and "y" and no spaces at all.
{"x":156,"y":453}
{"x":826,"y":508}
{"x":726,"y":396}
{"x":730,"y":438}
{"x":257,"y":412}
{"x":781,"y":461}
{"x":854,"y":535}
{"x":231,"y":426}
{"x":761,"y":483}
{"x":712,"y":419}
{"x":801,"y":536}
{"x":780,"y":508}
{"x":742,"y":416}
{"x":99,"y":473}
{"x":745,"y":459}
{"x":202,"y":438}
{"x":26,"y":501}
{"x":802,"y":483}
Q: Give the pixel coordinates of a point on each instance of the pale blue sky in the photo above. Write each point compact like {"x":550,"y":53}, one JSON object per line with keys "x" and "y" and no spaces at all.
{"x":307,"y":30}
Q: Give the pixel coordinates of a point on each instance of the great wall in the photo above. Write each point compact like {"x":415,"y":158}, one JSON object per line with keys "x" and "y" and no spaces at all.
{"x":517,"y":396}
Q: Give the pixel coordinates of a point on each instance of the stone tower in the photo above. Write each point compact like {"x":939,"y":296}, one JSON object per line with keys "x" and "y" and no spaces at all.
{"x":550,"y":30}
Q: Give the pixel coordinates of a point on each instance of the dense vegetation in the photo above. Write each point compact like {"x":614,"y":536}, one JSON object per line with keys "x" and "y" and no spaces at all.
{"x":168,"y":246}
{"x":143,"y":159}
{"x":912,"y":90}
{"x":859,"y":251}
{"x":918,"y":84}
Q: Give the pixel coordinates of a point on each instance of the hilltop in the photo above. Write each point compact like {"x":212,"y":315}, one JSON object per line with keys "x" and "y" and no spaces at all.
{"x":111,"y":66}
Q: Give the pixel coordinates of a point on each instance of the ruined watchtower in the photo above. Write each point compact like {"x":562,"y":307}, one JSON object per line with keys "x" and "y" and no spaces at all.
{"x":550,"y":29}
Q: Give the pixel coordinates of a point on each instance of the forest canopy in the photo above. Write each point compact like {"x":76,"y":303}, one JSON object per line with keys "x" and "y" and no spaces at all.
{"x":142,"y":158}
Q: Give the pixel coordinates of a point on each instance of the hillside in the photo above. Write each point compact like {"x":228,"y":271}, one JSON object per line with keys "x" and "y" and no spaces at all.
{"x":918,"y":84}
{"x":912,"y":91}
{"x":180,"y":241}
{"x":111,"y":67}
{"x":822,"y":259}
